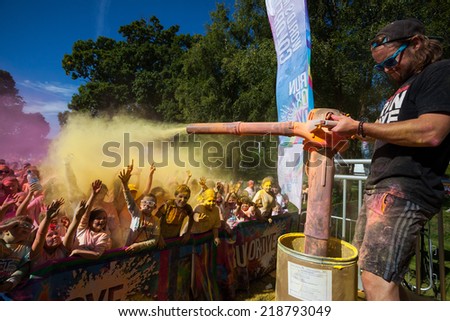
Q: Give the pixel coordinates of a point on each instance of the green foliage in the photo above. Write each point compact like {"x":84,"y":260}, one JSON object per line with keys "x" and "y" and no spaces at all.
{"x":341,"y":64}
{"x":229,"y":74}
{"x":134,"y":75}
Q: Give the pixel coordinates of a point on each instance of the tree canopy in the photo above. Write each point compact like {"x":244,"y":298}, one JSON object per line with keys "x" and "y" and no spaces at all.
{"x":229,"y":73}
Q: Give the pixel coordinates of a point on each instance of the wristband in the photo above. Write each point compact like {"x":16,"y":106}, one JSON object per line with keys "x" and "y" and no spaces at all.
{"x":360,"y":131}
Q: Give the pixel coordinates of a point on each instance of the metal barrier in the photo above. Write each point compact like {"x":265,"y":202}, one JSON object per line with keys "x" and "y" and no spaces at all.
{"x":358,"y":176}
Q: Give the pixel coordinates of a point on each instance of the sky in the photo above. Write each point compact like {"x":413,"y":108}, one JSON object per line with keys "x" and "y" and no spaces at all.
{"x":35,"y":35}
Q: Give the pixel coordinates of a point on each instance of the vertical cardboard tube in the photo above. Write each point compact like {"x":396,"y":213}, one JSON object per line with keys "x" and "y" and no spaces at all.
{"x":320,"y":169}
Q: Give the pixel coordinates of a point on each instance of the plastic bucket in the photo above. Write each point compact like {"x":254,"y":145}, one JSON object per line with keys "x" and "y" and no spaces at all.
{"x":315,"y":278}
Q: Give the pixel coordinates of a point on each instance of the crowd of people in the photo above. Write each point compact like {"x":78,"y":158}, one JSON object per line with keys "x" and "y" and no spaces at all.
{"x":35,"y":232}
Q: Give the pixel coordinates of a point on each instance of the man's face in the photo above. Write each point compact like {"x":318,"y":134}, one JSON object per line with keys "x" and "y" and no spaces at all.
{"x":181,"y":199}
{"x":404,"y":67}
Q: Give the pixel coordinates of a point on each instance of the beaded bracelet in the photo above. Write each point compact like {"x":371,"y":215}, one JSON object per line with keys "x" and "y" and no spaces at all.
{"x":361,"y":129}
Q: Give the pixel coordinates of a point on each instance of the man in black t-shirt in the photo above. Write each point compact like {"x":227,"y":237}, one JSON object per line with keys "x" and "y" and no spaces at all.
{"x":412,"y":151}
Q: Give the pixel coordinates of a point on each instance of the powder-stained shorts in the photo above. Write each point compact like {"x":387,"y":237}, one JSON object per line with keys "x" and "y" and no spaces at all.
{"x":386,"y":233}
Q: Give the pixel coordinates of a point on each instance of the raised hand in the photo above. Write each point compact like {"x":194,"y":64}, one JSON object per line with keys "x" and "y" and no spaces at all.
{"x":53,"y":208}
{"x":131,"y":166}
{"x":8,"y":202}
{"x":125,"y":175}
{"x":152,"y":169}
{"x":96,"y":186}
{"x":80,"y":210}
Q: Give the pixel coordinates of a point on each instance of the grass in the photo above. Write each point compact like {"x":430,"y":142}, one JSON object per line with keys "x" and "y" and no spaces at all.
{"x":262,"y":289}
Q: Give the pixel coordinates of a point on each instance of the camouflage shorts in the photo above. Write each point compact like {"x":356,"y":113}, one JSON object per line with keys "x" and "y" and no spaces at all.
{"x":386,"y":233}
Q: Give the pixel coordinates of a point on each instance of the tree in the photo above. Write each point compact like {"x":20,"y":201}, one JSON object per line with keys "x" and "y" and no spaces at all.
{"x":133,"y":75}
{"x":341,"y":63}
{"x":23,"y":134}
{"x":229,"y":74}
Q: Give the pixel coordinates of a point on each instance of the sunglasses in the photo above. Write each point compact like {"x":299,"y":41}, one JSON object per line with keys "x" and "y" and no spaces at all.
{"x":149,"y":203}
{"x":391,"y":62}
{"x":4,"y":172}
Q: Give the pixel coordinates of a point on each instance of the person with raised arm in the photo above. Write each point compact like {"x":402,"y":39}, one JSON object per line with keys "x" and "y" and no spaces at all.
{"x":144,"y":227}
{"x":92,"y":239}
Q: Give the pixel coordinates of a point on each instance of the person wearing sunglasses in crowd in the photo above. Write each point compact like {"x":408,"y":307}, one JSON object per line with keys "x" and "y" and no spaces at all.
{"x":5,"y":171}
{"x":411,"y":153}
{"x":144,"y":227}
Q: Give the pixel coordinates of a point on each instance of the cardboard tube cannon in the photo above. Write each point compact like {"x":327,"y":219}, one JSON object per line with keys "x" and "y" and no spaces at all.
{"x":322,"y":145}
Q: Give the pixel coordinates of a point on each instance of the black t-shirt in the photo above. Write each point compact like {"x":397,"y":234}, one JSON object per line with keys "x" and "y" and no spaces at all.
{"x":414,"y":172}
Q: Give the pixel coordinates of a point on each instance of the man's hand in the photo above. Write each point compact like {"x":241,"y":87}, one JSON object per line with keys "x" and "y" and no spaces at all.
{"x":346,"y":126}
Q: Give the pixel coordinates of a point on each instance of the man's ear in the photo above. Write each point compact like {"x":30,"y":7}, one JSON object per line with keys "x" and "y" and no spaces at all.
{"x":415,"y":43}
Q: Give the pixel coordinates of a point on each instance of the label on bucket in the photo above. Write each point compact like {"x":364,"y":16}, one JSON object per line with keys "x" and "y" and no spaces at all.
{"x":309,"y":284}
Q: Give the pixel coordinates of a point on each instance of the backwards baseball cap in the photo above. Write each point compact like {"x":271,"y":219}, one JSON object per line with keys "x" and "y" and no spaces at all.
{"x":400,"y":30}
